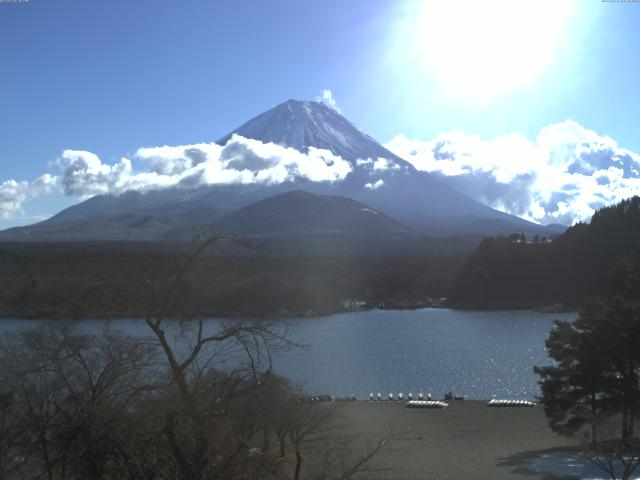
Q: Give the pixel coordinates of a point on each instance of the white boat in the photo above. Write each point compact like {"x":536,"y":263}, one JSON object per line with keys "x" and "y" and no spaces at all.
{"x":426,"y":404}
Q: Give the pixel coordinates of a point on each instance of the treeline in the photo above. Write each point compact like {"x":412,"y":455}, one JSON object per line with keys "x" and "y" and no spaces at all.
{"x":100,"y":280}
{"x":518,"y":272}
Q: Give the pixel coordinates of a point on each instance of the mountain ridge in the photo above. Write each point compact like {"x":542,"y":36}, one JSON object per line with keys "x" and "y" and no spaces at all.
{"x":392,"y":186}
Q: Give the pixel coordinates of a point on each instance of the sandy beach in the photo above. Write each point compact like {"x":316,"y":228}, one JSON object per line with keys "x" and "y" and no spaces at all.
{"x":467,"y":440}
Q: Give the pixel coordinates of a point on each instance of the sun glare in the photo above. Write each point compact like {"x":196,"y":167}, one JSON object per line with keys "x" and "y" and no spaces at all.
{"x":481,"y":48}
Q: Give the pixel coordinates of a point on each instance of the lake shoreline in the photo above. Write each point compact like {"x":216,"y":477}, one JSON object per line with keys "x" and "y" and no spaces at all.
{"x":286,"y":314}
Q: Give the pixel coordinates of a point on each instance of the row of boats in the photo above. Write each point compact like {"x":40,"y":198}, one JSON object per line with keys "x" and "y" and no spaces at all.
{"x":421,"y":401}
{"x":399,"y":398}
{"x":495,"y":403}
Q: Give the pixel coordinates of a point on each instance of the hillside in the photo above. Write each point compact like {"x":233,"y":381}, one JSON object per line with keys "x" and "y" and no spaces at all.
{"x":506,"y":272}
{"x":302,"y":212}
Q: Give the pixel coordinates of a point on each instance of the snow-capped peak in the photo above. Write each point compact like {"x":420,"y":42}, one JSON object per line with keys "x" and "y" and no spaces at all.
{"x":303,"y":124}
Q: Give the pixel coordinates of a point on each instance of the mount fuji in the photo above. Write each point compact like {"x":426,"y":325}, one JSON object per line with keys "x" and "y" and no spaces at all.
{"x":412,"y":203}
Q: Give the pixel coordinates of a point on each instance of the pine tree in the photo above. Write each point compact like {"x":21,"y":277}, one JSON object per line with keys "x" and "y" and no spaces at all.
{"x":597,"y":361}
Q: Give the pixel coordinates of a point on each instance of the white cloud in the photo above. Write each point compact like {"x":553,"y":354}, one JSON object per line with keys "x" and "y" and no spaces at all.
{"x":176,"y":160}
{"x":42,"y":185}
{"x":563,"y":176}
{"x":375,"y":185}
{"x":271,"y":163}
{"x":326,"y":97}
{"x":380,"y":164}
{"x":14,"y":194}
{"x":241,"y":160}
{"x":84,"y":174}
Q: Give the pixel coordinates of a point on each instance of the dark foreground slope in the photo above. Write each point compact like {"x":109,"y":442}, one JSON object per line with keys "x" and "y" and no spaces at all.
{"x":505,"y":272}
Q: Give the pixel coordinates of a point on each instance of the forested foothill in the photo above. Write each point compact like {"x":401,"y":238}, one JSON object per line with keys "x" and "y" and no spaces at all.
{"x":534,"y":272}
{"x":78,"y":279}
{"x":86,"y":279}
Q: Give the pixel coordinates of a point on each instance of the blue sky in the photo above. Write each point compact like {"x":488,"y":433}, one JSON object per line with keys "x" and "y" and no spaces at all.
{"x":111,"y":77}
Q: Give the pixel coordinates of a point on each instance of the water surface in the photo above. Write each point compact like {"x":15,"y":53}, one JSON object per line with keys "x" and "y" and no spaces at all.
{"x":481,"y":354}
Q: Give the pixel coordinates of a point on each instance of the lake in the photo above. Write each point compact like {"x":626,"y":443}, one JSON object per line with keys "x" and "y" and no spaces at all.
{"x":481,"y":354}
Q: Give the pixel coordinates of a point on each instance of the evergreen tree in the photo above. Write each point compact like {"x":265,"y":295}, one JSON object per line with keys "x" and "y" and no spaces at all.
{"x":597,"y":369}
{"x":574,"y":389}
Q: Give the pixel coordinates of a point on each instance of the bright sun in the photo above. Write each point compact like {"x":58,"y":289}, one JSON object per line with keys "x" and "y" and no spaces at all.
{"x":480,"y":48}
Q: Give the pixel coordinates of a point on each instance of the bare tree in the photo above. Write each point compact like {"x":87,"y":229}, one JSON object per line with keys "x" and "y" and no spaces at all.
{"x":341,"y":460}
{"x":240,"y":354}
{"x":315,"y":431}
{"x":9,"y":431}
{"x":72,"y":394}
{"x":612,"y":453}
{"x":307,"y":422}
{"x":5,"y":435}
